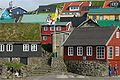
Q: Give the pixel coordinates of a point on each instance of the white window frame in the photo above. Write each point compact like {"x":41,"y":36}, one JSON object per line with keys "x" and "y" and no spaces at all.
{"x":70,"y":51}
{"x":45,"y":28}
{"x":59,"y":28}
{"x":44,"y":38}
{"x":24,"y":46}
{"x":51,"y":28}
{"x":101,"y":17}
{"x":88,"y":51}
{"x":73,"y":8}
{"x":2,"y":47}
{"x":8,"y":49}
{"x":100,"y":53}
{"x":108,"y":52}
{"x":80,"y":51}
{"x":117,"y":50}
{"x":117,"y":34}
{"x":33,"y":47}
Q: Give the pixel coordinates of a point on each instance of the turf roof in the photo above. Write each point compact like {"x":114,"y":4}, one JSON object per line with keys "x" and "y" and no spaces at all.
{"x":19,"y":32}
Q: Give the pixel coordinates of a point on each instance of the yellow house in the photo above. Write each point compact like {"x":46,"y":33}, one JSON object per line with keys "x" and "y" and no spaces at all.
{"x":104,"y":14}
{"x":49,"y":9}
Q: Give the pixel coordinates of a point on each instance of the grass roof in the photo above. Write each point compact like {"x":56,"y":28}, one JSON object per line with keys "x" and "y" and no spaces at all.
{"x":19,"y":32}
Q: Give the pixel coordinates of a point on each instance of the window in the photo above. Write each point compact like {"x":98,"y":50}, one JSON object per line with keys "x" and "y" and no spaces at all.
{"x":117,"y":51}
{"x":33,"y":47}
{"x":100,"y":52}
{"x":45,"y":28}
{"x":25,"y":47}
{"x":117,"y":35}
{"x":59,"y":28}
{"x":73,"y":8}
{"x":79,"y":51}
{"x":9,"y":47}
{"x":17,"y":12}
{"x":110,"y":52}
{"x":70,"y":51}
{"x":44,"y":38}
{"x":52,"y":28}
{"x":89,"y":51}
{"x":116,"y":17}
{"x":101,"y":17}
{"x":1,"y":47}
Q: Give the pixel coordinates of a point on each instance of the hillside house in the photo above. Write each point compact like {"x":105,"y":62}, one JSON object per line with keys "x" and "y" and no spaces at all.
{"x":72,"y":9}
{"x":48,"y":9}
{"x":94,"y":44}
{"x":48,"y":30}
{"x":20,"y":41}
{"x":104,"y":14}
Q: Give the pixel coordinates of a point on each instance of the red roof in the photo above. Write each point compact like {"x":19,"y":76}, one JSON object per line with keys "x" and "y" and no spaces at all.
{"x":79,"y":4}
{"x":106,"y":4}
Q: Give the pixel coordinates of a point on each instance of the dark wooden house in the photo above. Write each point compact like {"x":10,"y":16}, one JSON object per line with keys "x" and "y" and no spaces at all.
{"x":20,"y":41}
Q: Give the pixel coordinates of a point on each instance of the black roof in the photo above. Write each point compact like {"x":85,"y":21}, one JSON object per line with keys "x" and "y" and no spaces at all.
{"x":76,"y":21}
{"x":88,"y":23}
{"x":90,"y":36}
{"x":47,"y":8}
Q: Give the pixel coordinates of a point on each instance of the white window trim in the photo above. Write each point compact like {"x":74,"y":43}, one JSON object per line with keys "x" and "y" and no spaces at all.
{"x":45,"y":39}
{"x":2,"y":46}
{"x":58,"y":28}
{"x":78,"y":52}
{"x":87,"y":50}
{"x":8,"y":48}
{"x":117,"y":35}
{"x":24,"y":47}
{"x":69,"y":52}
{"x":96,"y":52}
{"x":32,"y":47}
{"x":117,"y":47}
{"x":52,"y":27}
{"x":112,"y":53}
{"x":45,"y":28}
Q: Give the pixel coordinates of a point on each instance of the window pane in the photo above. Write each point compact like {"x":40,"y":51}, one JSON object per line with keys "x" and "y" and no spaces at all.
{"x":100,"y":52}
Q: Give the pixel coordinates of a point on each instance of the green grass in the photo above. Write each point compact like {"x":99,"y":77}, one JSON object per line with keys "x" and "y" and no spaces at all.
{"x":19,"y":32}
{"x":14,"y":65}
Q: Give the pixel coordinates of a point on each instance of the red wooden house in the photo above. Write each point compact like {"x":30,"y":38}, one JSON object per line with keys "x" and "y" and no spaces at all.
{"x":110,"y":4}
{"x":71,"y":9}
{"x":49,"y":29}
{"x":94,"y":43}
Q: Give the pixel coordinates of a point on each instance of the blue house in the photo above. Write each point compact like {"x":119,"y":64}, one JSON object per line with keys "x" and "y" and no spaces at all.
{"x":5,"y":14}
{"x":16,"y":10}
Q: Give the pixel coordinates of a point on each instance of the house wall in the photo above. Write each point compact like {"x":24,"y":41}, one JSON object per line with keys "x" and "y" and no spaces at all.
{"x":18,"y":52}
{"x":106,"y":16}
{"x":49,"y":33}
{"x":48,"y":41}
{"x":75,"y":57}
{"x":21,"y":11}
{"x":116,"y":59}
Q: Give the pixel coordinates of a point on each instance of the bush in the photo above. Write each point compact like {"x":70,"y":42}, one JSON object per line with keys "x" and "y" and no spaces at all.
{"x":15,"y":66}
{"x":47,"y":47}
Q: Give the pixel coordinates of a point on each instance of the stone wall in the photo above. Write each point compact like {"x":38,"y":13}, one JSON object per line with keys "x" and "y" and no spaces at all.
{"x":88,"y":68}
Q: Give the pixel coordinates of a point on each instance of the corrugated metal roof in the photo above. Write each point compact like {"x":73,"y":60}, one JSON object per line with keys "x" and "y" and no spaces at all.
{"x":108,"y":23}
{"x":57,"y":23}
{"x":40,"y":18}
{"x":104,"y":11}
{"x":7,"y":21}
